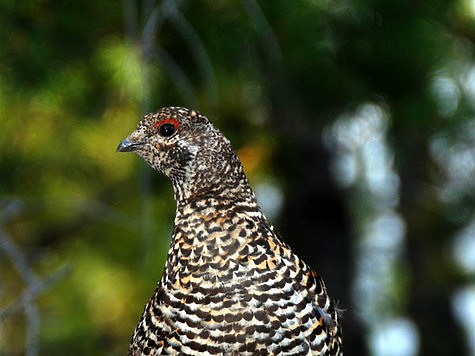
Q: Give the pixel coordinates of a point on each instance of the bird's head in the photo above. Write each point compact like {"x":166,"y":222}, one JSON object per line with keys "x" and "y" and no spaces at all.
{"x":187,"y":148}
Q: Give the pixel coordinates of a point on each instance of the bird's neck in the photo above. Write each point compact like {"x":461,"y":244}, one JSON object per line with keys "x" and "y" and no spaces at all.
{"x":217,"y":220}
{"x":216,"y":185}
{"x":211,"y":233}
{"x":225,"y":203}
{"x":222,"y":202}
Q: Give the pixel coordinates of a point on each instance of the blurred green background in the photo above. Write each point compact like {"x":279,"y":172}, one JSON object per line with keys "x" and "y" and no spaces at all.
{"x":355,"y":122}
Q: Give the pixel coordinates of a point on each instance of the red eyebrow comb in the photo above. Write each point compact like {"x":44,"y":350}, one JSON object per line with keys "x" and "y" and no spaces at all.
{"x":168,"y":119}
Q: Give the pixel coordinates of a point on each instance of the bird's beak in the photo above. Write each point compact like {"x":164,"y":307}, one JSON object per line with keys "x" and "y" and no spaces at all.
{"x":127,"y":145}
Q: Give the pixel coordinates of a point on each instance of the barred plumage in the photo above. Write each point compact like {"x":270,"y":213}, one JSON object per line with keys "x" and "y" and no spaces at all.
{"x":230,"y":285}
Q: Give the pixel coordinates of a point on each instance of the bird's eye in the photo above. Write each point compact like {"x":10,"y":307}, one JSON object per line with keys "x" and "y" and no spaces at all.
{"x":167,"y":129}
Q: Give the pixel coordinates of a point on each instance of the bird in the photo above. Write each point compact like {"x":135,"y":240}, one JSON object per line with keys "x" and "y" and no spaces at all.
{"x":231,"y":285}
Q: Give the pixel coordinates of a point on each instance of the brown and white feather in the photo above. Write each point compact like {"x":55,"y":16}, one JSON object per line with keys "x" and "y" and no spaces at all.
{"x":230,"y":285}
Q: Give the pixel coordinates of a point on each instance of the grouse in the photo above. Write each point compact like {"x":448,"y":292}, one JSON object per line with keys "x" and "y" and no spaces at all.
{"x":230,"y":285}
